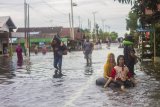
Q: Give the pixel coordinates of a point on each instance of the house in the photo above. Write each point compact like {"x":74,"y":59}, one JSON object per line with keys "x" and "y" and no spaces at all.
{"x":75,"y":44}
{"x":65,"y":32}
{"x":41,"y":32}
{"x":6,"y":27}
{"x":151,"y":19}
{"x":45,"y":35}
{"x":37,"y":35}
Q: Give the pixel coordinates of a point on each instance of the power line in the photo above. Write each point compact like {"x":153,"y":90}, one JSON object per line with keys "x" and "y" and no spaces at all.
{"x":50,"y":6}
{"x":51,"y":17}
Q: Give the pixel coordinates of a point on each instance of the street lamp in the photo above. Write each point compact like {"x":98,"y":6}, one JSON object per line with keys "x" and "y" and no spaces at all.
{"x":94,"y":19}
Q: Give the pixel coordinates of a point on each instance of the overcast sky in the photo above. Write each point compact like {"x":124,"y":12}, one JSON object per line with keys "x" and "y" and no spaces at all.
{"x":44,"y":13}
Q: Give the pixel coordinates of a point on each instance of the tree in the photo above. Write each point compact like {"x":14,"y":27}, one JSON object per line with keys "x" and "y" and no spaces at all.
{"x":150,"y":4}
{"x":87,"y":33}
{"x":100,"y":34}
{"x":132,"y":21}
{"x":113,"y":36}
{"x":126,"y":1}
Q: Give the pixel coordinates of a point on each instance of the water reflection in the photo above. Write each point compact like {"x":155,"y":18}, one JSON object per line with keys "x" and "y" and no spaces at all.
{"x":7,"y":70}
{"x":19,"y":63}
{"x":152,"y":69}
{"x":28,"y":65}
{"x":88,"y":70}
{"x":58,"y":82}
{"x":77,"y":87}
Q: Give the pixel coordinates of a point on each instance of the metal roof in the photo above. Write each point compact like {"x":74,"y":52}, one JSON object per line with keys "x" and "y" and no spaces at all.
{"x":6,"y":21}
{"x":41,"y":29}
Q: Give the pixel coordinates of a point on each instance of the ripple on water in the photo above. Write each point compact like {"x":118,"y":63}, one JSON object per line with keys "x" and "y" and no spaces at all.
{"x":77,"y":89}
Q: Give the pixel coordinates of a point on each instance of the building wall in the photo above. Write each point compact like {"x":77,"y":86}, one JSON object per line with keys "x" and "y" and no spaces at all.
{"x":3,"y":45}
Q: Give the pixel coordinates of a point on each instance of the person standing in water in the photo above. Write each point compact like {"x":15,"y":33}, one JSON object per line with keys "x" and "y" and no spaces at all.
{"x":44,"y":49}
{"x":36,"y":49}
{"x":129,"y":53}
{"x":19,"y":55}
{"x":59,"y":49}
{"x":87,"y":50}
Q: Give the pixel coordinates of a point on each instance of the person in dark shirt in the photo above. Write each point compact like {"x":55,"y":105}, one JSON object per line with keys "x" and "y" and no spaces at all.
{"x":132,"y":61}
{"x":59,"y":49}
{"x":87,"y":50}
{"x":129,"y":55}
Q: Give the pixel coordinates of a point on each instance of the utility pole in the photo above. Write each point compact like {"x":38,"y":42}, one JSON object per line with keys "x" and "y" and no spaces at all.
{"x":90,"y":29}
{"x":79,"y":18}
{"x":95,"y":24}
{"x":28,"y":30}
{"x":88,"y":24}
{"x":94,"y":19}
{"x":72,"y":20}
{"x":103,"y":20}
{"x":80,"y":27}
{"x":25,"y":25}
{"x":154,"y":39}
{"x":70,"y":25}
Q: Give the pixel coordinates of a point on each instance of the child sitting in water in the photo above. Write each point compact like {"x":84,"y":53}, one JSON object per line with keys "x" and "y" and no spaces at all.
{"x":119,"y":74}
{"x":110,"y":63}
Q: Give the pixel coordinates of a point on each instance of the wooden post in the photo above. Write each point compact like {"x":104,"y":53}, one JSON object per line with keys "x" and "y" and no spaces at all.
{"x":28,"y":30}
{"x":154,"y":45}
{"x":10,"y":48}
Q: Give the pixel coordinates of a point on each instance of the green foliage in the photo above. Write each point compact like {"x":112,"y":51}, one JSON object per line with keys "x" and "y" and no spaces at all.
{"x":151,"y":4}
{"x":113,"y":36}
{"x":87,"y":33}
{"x":125,"y":1}
{"x":132,"y":21}
{"x":101,"y":35}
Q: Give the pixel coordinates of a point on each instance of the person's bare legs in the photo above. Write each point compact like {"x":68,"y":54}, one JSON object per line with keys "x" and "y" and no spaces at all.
{"x":108,"y":81}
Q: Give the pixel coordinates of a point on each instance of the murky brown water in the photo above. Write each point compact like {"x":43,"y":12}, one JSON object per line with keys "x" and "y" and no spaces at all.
{"x":33,"y":86}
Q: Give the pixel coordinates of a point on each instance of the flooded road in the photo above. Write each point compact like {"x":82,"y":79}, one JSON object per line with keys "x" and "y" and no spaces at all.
{"x":33,"y":86}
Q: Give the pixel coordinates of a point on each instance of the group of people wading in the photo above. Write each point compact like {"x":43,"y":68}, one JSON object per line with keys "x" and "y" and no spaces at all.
{"x":60,"y":49}
{"x":120,"y":74}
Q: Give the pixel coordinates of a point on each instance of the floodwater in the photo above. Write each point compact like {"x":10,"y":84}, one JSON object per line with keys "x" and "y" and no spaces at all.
{"x":32,"y":85}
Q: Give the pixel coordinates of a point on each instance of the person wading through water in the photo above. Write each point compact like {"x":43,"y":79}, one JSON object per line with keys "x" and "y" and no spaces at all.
{"x":19,"y":55}
{"x":87,"y":50}
{"x":59,"y":49}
